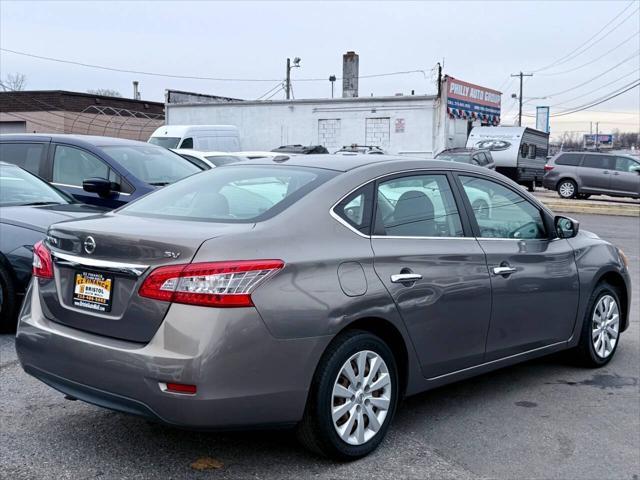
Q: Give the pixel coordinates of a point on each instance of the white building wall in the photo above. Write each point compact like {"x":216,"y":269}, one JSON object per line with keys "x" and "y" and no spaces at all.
{"x":408,"y":128}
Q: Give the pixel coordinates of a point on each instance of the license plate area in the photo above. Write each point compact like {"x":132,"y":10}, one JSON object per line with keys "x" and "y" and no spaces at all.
{"x":93,"y":291}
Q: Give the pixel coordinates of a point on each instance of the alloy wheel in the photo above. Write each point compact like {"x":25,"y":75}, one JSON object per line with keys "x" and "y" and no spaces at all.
{"x":605,"y":326}
{"x":567,"y":189}
{"x":361,"y":397}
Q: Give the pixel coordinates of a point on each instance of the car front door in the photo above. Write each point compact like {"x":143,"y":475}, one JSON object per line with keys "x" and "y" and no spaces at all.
{"x":72,"y":165}
{"x":436,"y":275}
{"x":595,"y":172}
{"x":534,"y":278}
{"x":625,"y":179}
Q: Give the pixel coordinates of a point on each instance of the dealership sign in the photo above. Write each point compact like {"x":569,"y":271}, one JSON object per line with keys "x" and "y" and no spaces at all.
{"x":604,"y":140}
{"x":469,"y":101}
{"x":542,"y":119}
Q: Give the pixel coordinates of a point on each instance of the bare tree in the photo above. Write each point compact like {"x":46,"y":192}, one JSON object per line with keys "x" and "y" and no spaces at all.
{"x":107,"y":92}
{"x":14,"y":82}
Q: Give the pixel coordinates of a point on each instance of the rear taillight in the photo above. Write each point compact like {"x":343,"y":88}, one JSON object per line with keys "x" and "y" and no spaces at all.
{"x":212,"y":284}
{"x":42,"y":263}
{"x":548,"y":168}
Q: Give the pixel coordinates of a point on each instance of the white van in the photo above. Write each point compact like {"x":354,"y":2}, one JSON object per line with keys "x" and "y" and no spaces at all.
{"x":220,"y":138}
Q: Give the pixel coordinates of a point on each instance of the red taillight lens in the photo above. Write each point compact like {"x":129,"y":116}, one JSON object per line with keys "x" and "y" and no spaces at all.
{"x":213,"y":284}
{"x":548,"y":168}
{"x":181,"y":388}
{"x":42,"y":263}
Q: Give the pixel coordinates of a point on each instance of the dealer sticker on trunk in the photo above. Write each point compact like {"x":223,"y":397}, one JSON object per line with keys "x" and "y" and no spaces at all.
{"x":92,"y":291}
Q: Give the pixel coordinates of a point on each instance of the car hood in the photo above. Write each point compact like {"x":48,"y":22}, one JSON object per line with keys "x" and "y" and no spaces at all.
{"x":39,"y":218}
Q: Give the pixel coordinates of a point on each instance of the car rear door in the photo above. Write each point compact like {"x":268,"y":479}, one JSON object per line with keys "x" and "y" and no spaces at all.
{"x":595,"y":172}
{"x":624,"y":179}
{"x":433,"y":268}
{"x":534,"y":278}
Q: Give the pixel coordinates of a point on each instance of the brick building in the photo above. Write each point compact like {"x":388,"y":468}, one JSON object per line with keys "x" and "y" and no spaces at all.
{"x":59,"y":111}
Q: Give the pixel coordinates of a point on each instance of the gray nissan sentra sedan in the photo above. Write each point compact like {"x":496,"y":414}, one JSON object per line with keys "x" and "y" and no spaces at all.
{"x":314,"y":291}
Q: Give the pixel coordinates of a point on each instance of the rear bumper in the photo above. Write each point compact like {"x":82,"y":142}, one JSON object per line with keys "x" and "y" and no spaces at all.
{"x":244,"y":376}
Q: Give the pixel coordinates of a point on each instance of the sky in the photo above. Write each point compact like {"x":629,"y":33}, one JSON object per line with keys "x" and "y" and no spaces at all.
{"x":480,"y":42}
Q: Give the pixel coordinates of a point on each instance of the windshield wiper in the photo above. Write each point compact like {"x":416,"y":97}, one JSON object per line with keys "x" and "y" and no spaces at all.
{"x":33,"y":204}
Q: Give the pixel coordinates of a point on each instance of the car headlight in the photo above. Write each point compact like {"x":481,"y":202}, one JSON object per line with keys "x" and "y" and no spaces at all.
{"x":624,"y":258}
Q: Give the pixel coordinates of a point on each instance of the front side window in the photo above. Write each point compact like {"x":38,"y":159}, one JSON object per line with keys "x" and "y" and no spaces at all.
{"x":26,"y":155}
{"x":624,"y":164}
{"x":233,"y":194}
{"x":598,"y":161}
{"x":71,"y":166}
{"x":417,"y":206}
{"x":500,"y":212}
{"x":187,"y":143}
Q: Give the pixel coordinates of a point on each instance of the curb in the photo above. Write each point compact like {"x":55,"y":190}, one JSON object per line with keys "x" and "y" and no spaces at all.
{"x":570,"y":207}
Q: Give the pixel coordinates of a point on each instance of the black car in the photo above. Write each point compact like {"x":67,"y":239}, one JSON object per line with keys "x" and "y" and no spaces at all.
{"x":28,"y":205}
{"x":471,"y":156}
{"x":301,"y":149}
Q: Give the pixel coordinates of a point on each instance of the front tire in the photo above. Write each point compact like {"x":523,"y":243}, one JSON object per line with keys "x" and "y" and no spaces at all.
{"x":567,"y":188}
{"x":600,"y":333}
{"x":352,"y":399}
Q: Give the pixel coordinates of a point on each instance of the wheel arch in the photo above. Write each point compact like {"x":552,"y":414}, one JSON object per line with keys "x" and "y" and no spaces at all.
{"x":617,"y":280}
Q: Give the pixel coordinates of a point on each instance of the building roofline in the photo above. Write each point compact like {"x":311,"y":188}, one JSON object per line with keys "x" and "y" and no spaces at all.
{"x":308,"y":101}
{"x":80,"y":94}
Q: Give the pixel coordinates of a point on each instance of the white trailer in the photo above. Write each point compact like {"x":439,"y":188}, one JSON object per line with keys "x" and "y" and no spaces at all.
{"x":405,"y":125}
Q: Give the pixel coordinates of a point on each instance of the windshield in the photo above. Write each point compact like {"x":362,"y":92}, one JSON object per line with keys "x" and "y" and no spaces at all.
{"x":219,"y":160}
{"x":18,"y":187}
{"x":151,"y":164}
{"x":233,"y":194}
{"x":455,"y":157}
{"x":166,"y":142}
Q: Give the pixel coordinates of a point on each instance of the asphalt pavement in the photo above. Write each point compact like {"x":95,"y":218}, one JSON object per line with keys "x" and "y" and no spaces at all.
{"x":543,"y":419}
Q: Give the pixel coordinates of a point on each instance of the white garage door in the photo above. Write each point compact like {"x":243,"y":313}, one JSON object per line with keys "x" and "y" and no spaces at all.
{"x":13,"y":127}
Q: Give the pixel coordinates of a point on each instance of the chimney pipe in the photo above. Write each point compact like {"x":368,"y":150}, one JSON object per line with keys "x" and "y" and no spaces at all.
{"x":136,"y":93}
{"x":350,"y":72}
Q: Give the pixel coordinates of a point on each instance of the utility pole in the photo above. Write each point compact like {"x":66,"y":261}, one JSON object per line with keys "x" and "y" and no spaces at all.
{"x":597,"y":137}
{"x":288,"y":81}
{"x":521,"y":75}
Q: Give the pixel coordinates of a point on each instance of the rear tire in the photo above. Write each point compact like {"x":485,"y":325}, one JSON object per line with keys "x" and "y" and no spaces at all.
{"x":366,"y":413}
{"x":600,"y":328}
{"x":567,"y":188}
{"x":8,"y":301}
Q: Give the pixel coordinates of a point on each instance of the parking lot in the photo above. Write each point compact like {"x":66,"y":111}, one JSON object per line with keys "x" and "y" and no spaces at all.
{"x":543,"y":419}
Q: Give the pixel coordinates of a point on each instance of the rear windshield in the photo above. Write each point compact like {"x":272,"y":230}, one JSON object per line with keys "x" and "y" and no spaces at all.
{"x":233,"y":194}
{"x":166,"y":142}
{"x":150,"y":164}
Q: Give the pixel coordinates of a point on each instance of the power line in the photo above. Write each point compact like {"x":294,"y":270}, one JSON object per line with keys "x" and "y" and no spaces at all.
{"x":277,"y":85}
{"x":571,"y":55}
{"x":196,"y":77}
{"x":594,"y":90}
{"x":594,"y":60}
{"x":636,"y":83}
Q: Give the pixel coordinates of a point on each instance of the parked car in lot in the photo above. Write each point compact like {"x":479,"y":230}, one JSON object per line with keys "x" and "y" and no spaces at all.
{"x":103,"y":171}
{"x":471,"y":156}
{"x":300,"y":149}
{"x":28,"y":205}
{"x":191,"y":307}
{"x":208,"y":160}
{"x":223,"y":138}
{"x":361,"y":149}
{"x":581,"y":174}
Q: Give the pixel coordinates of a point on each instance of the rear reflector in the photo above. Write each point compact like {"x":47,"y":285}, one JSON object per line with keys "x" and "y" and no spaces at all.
{"x":212,"y":284}
{"x":548,"y":168}
{"x":180,"y":388}
{"x":42,"y":263}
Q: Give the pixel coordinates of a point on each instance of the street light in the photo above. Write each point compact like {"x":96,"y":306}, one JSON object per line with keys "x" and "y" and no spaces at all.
{"x":296,"y":64}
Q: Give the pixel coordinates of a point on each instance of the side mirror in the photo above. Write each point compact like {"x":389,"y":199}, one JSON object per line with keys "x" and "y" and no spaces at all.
{"x":101,"y":186}
{"x":566,"y":227}
{"x":635,"y":169}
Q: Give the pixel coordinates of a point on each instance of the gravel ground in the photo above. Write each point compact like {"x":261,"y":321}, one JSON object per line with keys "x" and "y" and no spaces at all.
{"x":540,"y":420}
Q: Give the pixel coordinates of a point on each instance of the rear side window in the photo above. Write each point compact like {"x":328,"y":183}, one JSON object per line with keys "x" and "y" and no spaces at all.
{"x":569,"y":159}
{"x":233,"y":194}
{"x":598,"y":161}
{"x":417,"y":206}
{"x":26,"y":155}
{"x":356,"y":209}
{"x":187,"y":143}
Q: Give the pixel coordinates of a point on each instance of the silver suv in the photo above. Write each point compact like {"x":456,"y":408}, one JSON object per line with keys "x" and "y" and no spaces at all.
{"x":581,"y":174}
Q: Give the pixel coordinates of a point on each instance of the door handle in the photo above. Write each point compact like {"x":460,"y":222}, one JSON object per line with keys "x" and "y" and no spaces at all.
{"x":405,"y":277}
{"x":503,"y":270}
{"x":606,"y":172}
